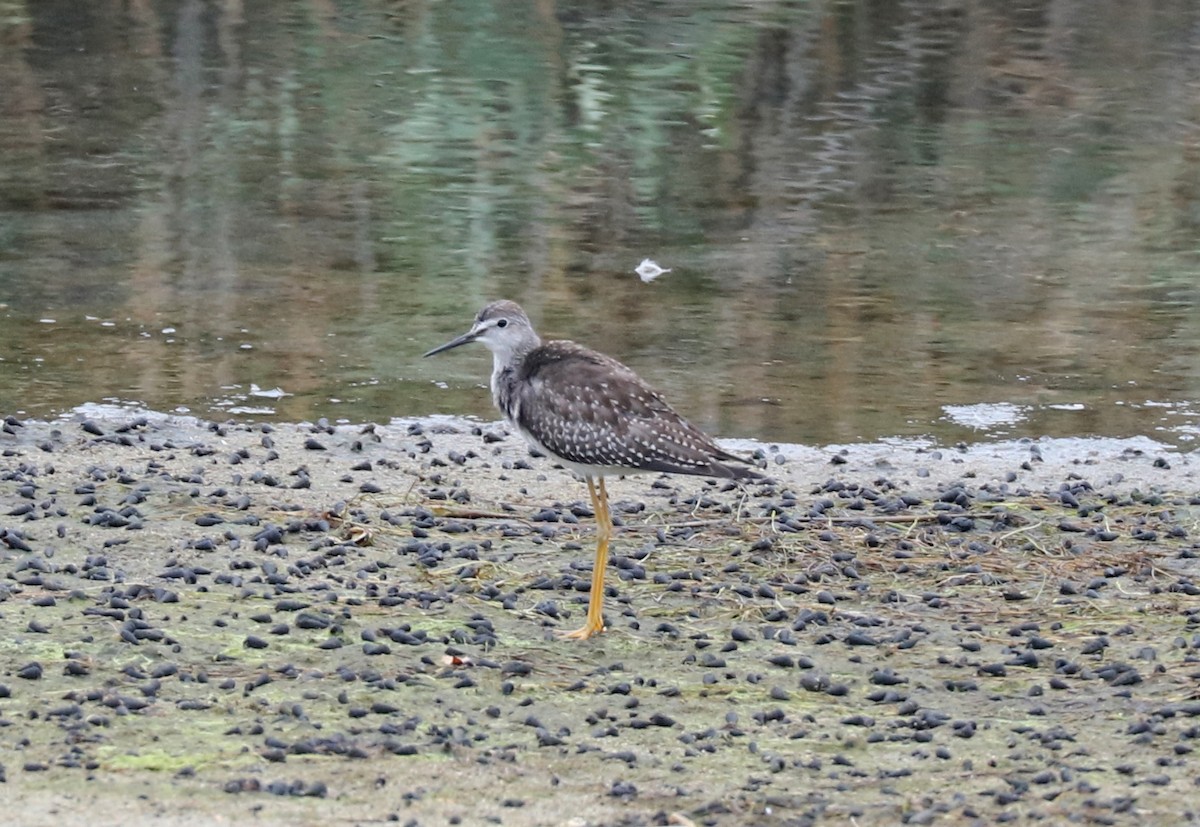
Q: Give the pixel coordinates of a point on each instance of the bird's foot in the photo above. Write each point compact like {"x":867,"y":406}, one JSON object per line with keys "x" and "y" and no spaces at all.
{"x":582,"y":633}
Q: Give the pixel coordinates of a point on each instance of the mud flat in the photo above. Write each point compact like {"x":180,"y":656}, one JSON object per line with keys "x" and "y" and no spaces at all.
{"x":304,"y":624}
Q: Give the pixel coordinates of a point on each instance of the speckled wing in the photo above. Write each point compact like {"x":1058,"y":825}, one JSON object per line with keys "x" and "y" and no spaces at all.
{"x":590,"y":409}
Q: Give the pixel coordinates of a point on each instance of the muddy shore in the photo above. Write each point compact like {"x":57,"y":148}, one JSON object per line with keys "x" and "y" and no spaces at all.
{"x":305,"y":624}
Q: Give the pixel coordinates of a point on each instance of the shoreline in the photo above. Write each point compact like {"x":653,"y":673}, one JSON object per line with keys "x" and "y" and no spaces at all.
{"x":923,"y":459}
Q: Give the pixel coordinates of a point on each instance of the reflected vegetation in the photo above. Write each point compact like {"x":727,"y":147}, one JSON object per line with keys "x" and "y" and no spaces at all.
{"x":873,"y":212}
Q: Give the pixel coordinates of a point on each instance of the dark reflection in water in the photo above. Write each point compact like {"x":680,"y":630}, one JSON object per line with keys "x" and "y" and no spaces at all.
{"x":947,"y":218}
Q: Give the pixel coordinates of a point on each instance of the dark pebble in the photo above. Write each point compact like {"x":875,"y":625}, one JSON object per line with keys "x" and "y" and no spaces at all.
{"x":308,"y":620}
{"x":546,"y":739}
{"x":859,"y":720}
{"x":623,"y":789}
{"x":815,"y":683}
{"x":886,"y":677}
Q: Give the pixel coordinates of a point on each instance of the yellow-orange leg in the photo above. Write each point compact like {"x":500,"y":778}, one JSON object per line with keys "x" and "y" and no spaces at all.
{"x":595,"y":614}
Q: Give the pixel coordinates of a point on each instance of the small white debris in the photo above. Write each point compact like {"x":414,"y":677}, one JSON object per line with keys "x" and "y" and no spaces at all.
{"x":985,"y":415}
{"x":273,"y":393}
{"x":649,"y":270}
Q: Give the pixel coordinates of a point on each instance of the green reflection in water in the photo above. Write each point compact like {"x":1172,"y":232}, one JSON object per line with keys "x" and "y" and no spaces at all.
{"x":870,"y":211}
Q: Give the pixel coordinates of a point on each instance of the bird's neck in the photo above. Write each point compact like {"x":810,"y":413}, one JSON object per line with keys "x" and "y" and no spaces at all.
{"x":506,"y":370}
{"x":504,"y":377}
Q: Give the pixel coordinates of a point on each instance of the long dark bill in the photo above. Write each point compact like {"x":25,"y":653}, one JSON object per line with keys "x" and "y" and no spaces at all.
{"x":464,"y":339}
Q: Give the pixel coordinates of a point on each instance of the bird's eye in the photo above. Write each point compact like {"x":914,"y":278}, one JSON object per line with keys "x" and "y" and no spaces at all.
{"x":502,"y":323}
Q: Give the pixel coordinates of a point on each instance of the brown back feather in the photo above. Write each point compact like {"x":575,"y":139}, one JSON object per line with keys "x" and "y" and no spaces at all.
{"x":589,"y":408}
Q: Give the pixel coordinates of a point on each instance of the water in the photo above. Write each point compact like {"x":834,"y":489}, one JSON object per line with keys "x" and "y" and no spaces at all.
{"x":935,"y":219}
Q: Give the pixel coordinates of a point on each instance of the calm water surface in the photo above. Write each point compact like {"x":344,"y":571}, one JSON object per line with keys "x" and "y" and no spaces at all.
{"x":956,"y":219}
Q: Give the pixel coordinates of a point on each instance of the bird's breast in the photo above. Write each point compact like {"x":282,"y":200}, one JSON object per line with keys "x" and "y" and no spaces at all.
{"x":504,"y":392}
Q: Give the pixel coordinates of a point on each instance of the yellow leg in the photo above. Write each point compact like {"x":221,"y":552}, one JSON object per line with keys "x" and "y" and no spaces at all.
{"x":595,"y":614}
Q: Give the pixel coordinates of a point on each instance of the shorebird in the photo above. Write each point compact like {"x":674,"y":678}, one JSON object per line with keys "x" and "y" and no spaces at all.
{"x":592,"y":414}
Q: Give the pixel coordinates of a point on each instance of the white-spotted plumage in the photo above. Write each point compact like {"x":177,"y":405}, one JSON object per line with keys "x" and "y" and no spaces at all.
{"x":586,"y":409}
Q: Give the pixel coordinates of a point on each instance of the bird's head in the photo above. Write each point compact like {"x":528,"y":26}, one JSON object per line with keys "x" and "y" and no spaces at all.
{"x":502,"y":327}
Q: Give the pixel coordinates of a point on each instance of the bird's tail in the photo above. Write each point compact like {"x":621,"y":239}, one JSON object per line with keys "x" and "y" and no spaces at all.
{"x":736,"y":468}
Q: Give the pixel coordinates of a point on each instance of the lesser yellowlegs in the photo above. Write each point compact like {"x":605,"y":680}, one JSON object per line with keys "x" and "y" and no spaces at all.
{"x":594,"y":415}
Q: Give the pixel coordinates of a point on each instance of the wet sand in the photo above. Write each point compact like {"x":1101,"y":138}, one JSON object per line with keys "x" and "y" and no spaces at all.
{"x":304,"y":624}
